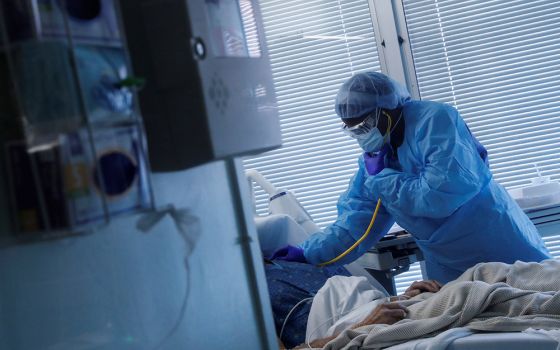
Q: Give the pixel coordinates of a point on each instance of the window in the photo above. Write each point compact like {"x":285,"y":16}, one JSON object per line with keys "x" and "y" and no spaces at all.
{"x":314,"y":46}
{"x":497,"y":63}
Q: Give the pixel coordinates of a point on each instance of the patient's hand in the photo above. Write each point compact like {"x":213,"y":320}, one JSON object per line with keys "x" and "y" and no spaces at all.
{"x":419,"y":287}
{"x":387,"y":313}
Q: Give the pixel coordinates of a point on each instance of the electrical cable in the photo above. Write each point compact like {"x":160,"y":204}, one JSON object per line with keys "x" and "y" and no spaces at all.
{"x":182,"y":310}
{"x":188,"y":230}
{"x":183,"y":221}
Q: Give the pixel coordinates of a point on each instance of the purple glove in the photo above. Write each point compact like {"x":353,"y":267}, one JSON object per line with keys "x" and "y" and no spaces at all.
{"x":376,"y":163}
{"x":289,"y":253}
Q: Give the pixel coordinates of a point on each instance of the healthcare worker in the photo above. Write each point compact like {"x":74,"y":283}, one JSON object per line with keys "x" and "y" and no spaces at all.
{"x":432,"y":178}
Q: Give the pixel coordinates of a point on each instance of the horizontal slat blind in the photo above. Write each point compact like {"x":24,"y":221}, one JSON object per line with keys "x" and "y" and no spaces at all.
{"x":497,"y":62}
{"x":553,"y":245}
{"x":314,"y":46}
{"x":405,"y":279}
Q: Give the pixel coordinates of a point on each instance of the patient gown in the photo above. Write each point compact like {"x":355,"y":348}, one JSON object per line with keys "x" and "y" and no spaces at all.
{"x":289,"y":283}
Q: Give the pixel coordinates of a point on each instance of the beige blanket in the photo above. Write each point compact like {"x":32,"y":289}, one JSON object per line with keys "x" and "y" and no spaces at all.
{"x":488,"y":297}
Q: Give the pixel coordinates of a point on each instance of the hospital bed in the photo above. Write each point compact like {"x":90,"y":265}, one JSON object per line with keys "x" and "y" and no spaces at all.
{"x":278,"y":230}
{"x":488,"y":341}
{"x":388,"y":258}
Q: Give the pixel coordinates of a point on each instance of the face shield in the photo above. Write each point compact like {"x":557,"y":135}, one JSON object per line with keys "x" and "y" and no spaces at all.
{"x":363,"y":129}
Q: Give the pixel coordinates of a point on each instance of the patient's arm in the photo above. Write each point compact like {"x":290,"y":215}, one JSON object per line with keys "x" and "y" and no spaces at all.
{"x":387,"y":313}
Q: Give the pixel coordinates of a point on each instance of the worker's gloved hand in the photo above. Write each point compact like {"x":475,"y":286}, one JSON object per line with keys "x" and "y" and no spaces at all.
{"x":375,"y":163}
{"x":289,"y":253}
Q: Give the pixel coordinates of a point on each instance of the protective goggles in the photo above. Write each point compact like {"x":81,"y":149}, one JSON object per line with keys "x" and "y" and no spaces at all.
{"x":362,"y":130}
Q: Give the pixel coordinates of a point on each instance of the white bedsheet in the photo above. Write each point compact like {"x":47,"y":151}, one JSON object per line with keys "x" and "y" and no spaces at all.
{"x":340,"y":303}
{"x":485,"y":341}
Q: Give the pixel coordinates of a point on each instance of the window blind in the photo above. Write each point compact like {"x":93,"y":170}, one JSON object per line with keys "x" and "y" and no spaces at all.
{"x":314,"y":46}
{"x":497,"y":62}
{"x":493,"y":60}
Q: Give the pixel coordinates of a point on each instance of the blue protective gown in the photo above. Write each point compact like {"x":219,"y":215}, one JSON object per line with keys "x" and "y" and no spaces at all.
{"x":441,"y":191}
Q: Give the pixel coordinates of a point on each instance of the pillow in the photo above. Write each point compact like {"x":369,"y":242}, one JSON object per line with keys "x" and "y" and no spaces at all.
{"x":276,"y":231}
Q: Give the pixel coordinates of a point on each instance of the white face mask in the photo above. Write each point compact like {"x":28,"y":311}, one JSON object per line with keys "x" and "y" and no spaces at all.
{"x":373,"y":142}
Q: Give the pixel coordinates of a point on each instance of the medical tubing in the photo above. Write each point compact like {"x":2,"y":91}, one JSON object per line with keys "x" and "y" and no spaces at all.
{"x":364,"y":236}
{"x":289,"y":314}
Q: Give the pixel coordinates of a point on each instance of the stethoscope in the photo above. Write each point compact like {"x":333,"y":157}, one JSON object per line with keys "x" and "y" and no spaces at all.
{"x":374,"y":216}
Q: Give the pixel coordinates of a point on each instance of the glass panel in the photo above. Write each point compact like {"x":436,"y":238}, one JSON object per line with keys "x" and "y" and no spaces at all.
{"x":250,"y":26}
{"x":72,"y":147}
{"x":226,"y":28}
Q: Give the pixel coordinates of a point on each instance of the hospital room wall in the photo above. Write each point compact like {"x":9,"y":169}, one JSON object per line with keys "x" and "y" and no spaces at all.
{"x":119,"y":288}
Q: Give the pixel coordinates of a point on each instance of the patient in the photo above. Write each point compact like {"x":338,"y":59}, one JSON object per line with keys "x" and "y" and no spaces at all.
{"x":351,"y":302}
{"x":493,"y":297}
{"x":293,"y":287}
{"x":341,"y":311}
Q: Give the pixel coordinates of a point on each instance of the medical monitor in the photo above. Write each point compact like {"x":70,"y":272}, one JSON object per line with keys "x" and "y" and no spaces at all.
{"x":208,"y":90}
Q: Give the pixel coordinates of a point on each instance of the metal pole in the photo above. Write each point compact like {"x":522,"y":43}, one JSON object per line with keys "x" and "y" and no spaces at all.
{"x":236,"y":179}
